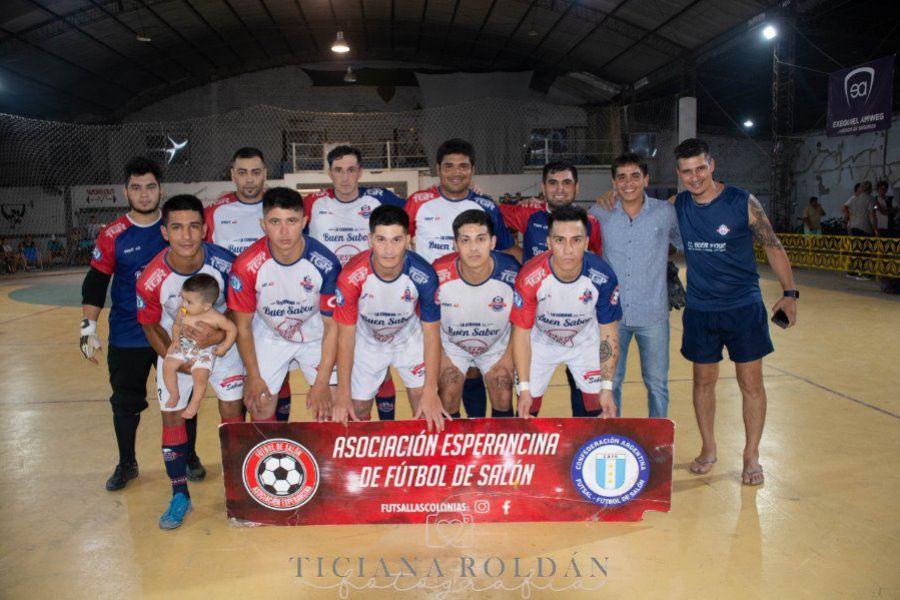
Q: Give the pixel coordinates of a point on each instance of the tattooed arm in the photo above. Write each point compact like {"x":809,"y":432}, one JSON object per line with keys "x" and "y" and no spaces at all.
{"x":765,"y":236}
{"x":609,"y":356}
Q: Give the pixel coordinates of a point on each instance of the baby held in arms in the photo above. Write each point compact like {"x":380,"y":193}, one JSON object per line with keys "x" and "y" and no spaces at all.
{"x":198,"y":295}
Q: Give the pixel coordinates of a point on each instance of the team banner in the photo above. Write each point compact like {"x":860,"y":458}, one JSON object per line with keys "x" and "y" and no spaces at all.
{"x":475,"y":470}
{"x":860,"y":98}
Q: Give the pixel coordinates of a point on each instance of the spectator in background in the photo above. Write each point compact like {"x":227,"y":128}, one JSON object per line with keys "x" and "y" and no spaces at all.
{"x":859,"y":216}
{"x":812,"y":217}
{"x":55,"y":249}
{"x":885,"y":211}
{"x":29,"y":253}
{"x":94,"y":228}
{"x":81,"y":246}
{"x":7,"y":256}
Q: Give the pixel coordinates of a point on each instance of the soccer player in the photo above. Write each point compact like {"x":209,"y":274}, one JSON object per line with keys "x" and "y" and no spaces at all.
{"x":559,"y":183}
{"x":282,"y":298}
{"x":476,"y":296}
{"x":123,"y":249}
{"x":719,"y":224}
{"x":339,"y":219}
{"x":566,"y":310}
{"x":431,"y":214}
{"x":233,"y":222}
{"x":387,"y":314}
{"x":339,"y":216}
{"x":158,"y":302}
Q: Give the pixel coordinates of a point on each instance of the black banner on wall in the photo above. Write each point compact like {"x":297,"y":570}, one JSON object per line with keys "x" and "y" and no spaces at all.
{"x":860,"y":98}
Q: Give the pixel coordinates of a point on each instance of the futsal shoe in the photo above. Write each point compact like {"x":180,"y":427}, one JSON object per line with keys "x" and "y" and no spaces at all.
{"x":195,"y":469}
{"x":173,"y":517}
{"x":121,"y":476}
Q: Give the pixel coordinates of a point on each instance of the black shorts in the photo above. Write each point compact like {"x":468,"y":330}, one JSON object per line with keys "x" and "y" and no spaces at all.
{"x":128,"y":372}
{"x":743,"y":330}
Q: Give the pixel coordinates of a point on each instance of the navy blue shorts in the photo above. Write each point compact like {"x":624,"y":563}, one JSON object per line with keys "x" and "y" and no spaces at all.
{"x":743,"y":330}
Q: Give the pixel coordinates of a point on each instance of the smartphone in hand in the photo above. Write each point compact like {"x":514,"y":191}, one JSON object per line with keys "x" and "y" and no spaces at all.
{"x":780,"y":318}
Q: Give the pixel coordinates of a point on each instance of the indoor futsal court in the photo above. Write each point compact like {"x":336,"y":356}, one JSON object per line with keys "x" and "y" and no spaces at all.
{"x":380,"y":234}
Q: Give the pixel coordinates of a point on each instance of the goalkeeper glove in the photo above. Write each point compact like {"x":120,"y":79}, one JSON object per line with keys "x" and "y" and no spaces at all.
{"x":676,"y":290}
{"x":90,"y":343}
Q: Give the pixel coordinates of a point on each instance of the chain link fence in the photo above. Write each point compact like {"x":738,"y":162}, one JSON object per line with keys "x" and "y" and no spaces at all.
{"x":64,"y":179}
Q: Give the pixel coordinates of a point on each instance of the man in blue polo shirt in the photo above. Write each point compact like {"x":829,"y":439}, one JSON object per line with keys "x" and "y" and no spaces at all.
{"x":719,"y":224}
{"x":637,"y":232}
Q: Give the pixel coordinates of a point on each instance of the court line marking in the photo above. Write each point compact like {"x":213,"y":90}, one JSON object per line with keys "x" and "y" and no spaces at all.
{"x":835,"y":392}
{"x":40,"y":312}
{"x":822,"y":387}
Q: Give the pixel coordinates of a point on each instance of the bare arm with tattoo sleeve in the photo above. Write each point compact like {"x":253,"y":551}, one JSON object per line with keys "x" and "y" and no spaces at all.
{"x":609,"y":356}
{"x":765,"y":236}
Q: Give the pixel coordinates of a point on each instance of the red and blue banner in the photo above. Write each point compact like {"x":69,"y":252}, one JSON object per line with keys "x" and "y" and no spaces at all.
{"x":499,"y":470}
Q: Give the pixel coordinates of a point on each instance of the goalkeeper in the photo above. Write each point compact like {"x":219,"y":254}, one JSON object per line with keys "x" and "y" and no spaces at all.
{"x":123,"y":248}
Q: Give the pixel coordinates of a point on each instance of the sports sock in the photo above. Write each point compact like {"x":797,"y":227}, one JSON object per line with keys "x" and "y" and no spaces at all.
{"x":386,"y":400}
{"x":575,"y":396}
{"x":475,"y":397}
{"x":174,"y":449}
{"x":191,"y":426}
{"x":283,"y":407}
{"x":126,"y":433}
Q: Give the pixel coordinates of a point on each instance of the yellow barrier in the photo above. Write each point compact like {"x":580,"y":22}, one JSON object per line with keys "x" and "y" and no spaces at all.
{"x":879,"y":257}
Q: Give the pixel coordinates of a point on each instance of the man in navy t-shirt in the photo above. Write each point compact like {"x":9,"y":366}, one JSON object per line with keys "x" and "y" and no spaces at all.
{"x":724,"y":308}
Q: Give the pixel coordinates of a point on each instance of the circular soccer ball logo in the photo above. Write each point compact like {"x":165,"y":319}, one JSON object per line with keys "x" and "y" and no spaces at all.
{"x":611,"y":470}
{"x":280,"y":474}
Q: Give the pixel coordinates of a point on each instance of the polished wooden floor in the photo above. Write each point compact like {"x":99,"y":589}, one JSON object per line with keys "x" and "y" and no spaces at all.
{"x":826,"y":524}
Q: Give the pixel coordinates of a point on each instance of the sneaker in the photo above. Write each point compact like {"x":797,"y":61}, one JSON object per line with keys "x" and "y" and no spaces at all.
{"x":174,"y":515}
{"x":121,"y":476}
{"x":195,"y":469}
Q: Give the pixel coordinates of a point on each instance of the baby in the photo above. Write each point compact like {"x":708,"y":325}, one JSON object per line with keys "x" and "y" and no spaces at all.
{"x":198,"y":294}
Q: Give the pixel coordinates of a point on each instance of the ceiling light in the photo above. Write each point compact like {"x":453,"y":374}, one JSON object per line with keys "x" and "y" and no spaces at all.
{"x":144,"y":38}
{"x":533,"y":32}
{"x":748,"y":123}
{"x":769,"y":32}
{"x":350,"y":76}
{"x":340,"y":45}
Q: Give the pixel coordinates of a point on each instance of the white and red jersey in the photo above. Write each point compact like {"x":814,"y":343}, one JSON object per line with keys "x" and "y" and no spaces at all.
{"x":233,"y":224}
{"x":475,"y":317}
{"x":431,"y":217}
{"x":565,"y":313}
{"x":387,"y":312}
{"x":159,"y":286}
{"x":288,"y":300}
{"x":343,"y":227}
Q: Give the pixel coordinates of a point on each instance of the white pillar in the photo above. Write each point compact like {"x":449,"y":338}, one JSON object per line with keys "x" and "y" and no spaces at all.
{"x":687,"y":118}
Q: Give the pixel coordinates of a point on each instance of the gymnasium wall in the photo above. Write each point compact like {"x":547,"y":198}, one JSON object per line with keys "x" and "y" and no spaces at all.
{"x":828,"y":167}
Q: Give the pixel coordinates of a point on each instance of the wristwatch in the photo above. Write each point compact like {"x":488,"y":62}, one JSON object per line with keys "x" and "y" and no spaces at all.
{"x":792,"y":294}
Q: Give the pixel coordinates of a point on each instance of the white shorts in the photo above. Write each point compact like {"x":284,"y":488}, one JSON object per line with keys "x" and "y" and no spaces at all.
{"x":275,"y":356}
{"x":583,"y":361}
{"x":371,"y":362}
{"x":479,"y":356}
{"x":226,"y":378}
